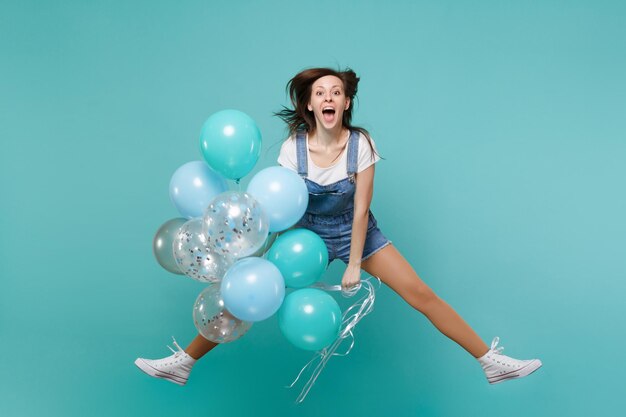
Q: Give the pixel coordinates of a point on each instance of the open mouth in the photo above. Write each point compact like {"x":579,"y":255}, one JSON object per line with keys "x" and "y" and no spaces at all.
{"x":329,"y":114}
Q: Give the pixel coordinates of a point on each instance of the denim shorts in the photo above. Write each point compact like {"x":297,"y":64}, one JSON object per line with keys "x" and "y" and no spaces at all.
{"x":336,"y":231}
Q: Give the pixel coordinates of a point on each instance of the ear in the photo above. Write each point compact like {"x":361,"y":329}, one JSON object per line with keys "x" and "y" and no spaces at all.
{"x":309,"y":107}
{"x":347,"y":104}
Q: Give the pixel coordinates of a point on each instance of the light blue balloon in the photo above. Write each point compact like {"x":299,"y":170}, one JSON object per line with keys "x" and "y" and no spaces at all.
{"x":231,"y":143}
{"x":253,"y":289}
{"x":283,"y":195}
{"x":310,"y":319}
{"x":193,"y":186}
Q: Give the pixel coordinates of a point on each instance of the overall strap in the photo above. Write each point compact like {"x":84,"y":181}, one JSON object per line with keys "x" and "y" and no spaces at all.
{"x":353,"y":154}
{"x":301,"y":154}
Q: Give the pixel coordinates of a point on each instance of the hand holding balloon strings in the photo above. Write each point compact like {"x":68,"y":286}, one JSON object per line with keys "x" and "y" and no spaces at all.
{"x":351,"y":277}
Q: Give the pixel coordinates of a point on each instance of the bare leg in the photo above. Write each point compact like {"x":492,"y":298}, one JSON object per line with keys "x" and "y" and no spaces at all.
{"x":391,"y":267}
{"x":199,"y":347}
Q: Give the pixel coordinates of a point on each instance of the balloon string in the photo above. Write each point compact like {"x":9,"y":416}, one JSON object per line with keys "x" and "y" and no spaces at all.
{"x":350,"y":318}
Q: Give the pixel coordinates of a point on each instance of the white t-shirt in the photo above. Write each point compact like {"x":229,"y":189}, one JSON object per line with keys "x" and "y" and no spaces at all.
{"x":337,"y":171}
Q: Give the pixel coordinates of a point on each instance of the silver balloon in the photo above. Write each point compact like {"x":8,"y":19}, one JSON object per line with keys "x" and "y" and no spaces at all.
{"x":235,"y":224}
{"x":162,"y":244}
{"x":194,"y":257}
{"x":213,"y":321}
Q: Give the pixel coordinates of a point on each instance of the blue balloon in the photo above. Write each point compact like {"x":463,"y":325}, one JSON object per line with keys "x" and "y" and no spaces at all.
{"x":193,"y":186}
{"x":283,"y":195}
{"x":310,"y":319}
{"x":253,"y":289}
{"x":231,"y":143}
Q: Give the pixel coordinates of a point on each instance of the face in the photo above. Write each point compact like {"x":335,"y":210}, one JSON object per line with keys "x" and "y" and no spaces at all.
{"x":328,"y":102}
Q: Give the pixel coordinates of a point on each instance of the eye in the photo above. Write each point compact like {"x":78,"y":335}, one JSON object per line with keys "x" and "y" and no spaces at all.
{"x":318,"y":93}
{"x":337,"y":92}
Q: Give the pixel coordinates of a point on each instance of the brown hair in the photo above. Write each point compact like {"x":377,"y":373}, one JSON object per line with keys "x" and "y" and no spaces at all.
{"x":299,"y":88}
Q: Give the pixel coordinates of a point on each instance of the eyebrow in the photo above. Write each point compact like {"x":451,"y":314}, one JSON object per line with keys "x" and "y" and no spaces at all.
{"x":334,"y":86}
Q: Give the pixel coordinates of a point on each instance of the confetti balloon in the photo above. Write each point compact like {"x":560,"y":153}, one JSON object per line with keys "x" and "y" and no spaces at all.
{"x":271,"y":238}
{"x":235,"y":225}
{"x":194,"y":257}
{"x":213,"y":321}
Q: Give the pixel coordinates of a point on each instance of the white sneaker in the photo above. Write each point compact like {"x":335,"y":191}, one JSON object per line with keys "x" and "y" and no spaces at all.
{"x":499,"y":368}
{"x":174,"y":368}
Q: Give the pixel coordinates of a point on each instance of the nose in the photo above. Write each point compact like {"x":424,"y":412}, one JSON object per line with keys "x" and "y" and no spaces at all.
{"x":329,"y":97}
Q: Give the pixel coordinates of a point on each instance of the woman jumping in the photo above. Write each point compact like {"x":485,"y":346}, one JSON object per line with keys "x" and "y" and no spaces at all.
{"x":337,"y":161}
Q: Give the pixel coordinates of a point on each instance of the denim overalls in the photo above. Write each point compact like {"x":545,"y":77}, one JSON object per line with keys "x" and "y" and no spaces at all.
{"x":331,"y":207}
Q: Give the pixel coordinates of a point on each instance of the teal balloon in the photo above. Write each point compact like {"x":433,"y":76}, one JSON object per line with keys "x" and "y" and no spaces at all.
{"x":231,"y":143}
{"x":301,"y":257}
{"x":310,"y":319}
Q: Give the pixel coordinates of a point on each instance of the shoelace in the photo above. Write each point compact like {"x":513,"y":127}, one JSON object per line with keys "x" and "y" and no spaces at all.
{"x":180,"y":350}
{"x":494,"y":343}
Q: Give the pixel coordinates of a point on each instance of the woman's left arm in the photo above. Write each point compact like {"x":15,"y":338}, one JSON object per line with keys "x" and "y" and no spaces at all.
{"x":362,"y":199}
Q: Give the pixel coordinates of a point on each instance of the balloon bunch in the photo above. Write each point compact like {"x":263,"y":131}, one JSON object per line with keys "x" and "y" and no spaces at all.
{"x":237,"y":241}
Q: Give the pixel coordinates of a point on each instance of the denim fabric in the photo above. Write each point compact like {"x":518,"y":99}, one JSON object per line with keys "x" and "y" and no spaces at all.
{"x":331,"y":207}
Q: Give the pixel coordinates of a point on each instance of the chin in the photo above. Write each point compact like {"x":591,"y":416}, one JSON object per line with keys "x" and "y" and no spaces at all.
{"x":329,"y":126}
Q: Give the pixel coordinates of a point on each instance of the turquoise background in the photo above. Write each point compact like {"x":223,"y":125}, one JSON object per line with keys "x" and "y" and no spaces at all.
{"x":503,"y":127}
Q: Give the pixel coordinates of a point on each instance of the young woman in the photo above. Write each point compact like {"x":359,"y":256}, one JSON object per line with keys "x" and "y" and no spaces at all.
{"x":337,"y":161}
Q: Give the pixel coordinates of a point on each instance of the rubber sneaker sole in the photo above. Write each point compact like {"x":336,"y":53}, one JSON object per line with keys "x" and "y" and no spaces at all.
{"x":153,"y":372}
{"x":531,"y":367}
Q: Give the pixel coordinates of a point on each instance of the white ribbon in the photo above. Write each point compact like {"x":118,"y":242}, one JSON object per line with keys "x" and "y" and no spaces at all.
{"x":350,"y":318}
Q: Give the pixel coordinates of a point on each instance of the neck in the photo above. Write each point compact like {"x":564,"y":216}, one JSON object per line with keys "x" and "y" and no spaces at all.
{"x":327,"y":136}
